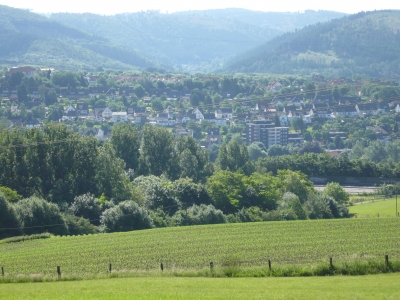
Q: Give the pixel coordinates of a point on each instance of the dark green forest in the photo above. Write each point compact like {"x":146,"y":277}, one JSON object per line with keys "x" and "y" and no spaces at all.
{"x":364,"y":43}
{"x":33,"y":39}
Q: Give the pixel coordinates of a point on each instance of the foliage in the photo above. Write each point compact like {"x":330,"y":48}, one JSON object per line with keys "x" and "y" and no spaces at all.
{"x":199,"y":215}
{"x":17,"y":239}
{"x":79,"y":225}
{"x":157,"y":151}
{"x":8,"y":219}
{"x":157,"y":193}
{"x":334,"y":190}
{"x":110,"y":175}
{"x":188,"y":193}
{"x":336,"y":48}
{"x":251,"y":214}
{"x":232,"y":156}
{"x":9,"y":194}
{"x":38,"y":216}
{"x":230,"y":191}
{"x":256,"y":150}
{"x":295,"y":182}
{"x":88,"y":207}
{"x":126,"y":216}
{"x":126,"y":142}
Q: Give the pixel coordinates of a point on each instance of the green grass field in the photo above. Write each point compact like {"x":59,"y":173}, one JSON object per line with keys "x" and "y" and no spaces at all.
{"x":372,"y":209}
{"x":339,"y":287}
{"x":252,"y":244}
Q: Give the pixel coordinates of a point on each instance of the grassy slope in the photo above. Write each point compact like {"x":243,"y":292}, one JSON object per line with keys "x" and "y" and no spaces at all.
{"x":361,"y":287}
{"x":383,"y":208}
{"x":299,"y":242}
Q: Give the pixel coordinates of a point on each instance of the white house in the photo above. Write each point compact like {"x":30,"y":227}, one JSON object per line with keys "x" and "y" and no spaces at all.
{"x":69,"y":109}
{"x":198,"y":113}
{"x":224,"y":113}
{"x":107,"y":113}
{"x":117,"y":117}
{"x":346,"y":111}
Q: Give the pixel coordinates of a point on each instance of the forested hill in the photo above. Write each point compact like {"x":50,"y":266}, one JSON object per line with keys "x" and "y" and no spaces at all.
{"x":28,"y":38}
{"x":364,"y":43}
{"x":193,"y":40}
{"x":280,"y":21}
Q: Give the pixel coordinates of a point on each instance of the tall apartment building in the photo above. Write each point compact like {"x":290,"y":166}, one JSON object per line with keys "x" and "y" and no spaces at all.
{"x":264,"y":131}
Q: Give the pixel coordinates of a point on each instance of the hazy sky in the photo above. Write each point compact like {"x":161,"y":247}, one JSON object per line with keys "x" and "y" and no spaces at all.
{"x":120,"y":6}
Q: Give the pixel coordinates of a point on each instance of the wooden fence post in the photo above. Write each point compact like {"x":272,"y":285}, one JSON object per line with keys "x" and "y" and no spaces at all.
{"x":59,"y":271}
{"x":330,"y":262}
{"x":110,"y":268}
{"x":162,"y":267}
{"x":211,"y":266}
{"x":269,"y":264}
{"x":387,"y":260}
{"x":2,"y":271}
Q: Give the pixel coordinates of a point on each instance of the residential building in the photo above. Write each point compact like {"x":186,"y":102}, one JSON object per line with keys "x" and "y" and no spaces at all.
{"x":295,"y":138}
{"x":117,"y":117}
{"x":224,"y":113}
{"x":28,"y":71}
{"x":367,"y":109}
{"x":345,"y":111}
{"x":264,"y":131}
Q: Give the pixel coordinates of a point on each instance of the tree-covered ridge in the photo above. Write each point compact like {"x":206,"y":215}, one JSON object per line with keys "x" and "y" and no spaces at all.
{"x":280,"y":21}
{"x":201,"y":38}
{"x":29,"y":38}
{"x":366,"y":43}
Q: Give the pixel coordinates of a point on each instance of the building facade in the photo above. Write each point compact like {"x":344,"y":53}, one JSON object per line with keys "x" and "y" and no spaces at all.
{"x":264,"y":131}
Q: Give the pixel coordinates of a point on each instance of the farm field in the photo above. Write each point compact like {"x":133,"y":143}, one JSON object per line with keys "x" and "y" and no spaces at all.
{"x":383,"y":286}
{"x":372,"y":209}
{"x":296,"y":242}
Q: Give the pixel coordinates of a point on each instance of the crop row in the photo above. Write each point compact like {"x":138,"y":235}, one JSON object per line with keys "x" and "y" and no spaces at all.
{"x":297,"y":242}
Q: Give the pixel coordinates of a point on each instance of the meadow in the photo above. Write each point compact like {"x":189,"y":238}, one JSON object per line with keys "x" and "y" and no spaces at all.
{"x":180,"y":248}
{"x":386,"y":208}
{"x":383,"y":286}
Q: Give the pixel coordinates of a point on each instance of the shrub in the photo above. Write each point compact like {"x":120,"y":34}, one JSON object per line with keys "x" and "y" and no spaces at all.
{"x":78,"y":225}
{"x":251,"y":214}
{"x":88,"y":207}
{"x":37,"y":216}
{"x":126,"y":216}
{"x":198,"y":215}
{"x":8,"y":219}
{"x":334,"y":190}
{"x":9,"y":194}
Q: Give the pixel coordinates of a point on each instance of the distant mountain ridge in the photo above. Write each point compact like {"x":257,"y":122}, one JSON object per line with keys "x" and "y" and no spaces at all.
{"x":282,"y":22}
{"x":29,"y":38}
{"x":193,"y":40}
{"x":364,"y":43}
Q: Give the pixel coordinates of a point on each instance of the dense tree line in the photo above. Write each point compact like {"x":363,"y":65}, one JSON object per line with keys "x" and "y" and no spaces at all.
{"x":314,"y":164}
{"x":142,"y":179}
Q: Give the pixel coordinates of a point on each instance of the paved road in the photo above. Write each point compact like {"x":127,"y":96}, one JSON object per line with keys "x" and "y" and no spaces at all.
{"x":350,"y":189}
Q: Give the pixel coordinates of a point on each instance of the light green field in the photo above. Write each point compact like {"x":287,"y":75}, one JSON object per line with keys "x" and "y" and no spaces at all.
{"x":338,"y":287}
{"x":252,"y":244}
{"x":372,"y":209}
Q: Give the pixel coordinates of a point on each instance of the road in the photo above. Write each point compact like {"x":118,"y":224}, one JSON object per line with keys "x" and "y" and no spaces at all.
{"x":350,"y":189}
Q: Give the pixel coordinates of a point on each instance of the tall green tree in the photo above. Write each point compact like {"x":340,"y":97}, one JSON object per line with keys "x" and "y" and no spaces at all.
{"x":126,"y":142}
{"x":157,"y":150}
{"x":232,"y":156}
{"x":193,"y":160}
{"x":110,"y":174}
